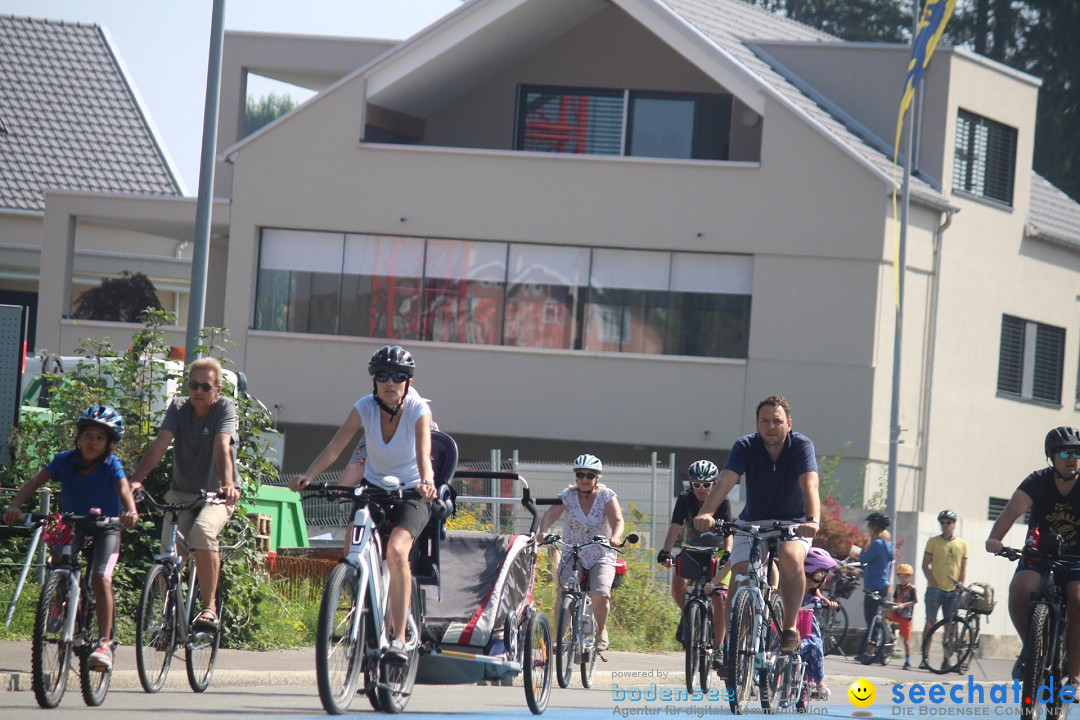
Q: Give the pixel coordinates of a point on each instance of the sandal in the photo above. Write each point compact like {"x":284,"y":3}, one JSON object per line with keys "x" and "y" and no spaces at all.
{"x":206,"y":620}
{"x":789,"y":642}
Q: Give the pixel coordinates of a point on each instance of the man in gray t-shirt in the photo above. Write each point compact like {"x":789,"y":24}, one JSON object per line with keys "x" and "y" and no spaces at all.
{"x":203,"y":431}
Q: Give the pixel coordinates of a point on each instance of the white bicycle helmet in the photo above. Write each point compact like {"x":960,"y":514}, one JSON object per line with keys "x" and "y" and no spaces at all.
{"x":588,"y":462}
{"x":703,"y":471}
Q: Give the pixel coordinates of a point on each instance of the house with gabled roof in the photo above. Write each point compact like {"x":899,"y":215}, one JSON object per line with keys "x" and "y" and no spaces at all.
{"x":615,"y":225}
{"x":71,"y":120}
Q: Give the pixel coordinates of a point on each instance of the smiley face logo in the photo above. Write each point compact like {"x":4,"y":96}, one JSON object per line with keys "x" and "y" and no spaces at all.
{"x":862,"y":693}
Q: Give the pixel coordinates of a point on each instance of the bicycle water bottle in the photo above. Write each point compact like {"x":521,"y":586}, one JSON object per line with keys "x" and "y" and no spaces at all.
{"x":1031,"y":545}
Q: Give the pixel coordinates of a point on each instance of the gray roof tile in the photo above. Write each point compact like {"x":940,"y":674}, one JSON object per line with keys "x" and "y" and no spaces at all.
{"x":71,"y":120}
{"x":1053,"y":214}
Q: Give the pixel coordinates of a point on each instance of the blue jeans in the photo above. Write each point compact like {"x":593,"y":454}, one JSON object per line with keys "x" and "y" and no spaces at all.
{"x":944,"y":599}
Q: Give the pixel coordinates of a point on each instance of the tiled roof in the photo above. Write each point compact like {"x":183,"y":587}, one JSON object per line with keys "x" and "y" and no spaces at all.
{"x":69,"y":118}
{"x":1053,"y":214}
{"x":735,"y":26}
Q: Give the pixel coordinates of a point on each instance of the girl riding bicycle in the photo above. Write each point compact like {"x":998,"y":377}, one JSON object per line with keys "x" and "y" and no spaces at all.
{"x":91,"y":479}
{"x":593,"y":510}
{"x":816,"y":566}
{"x":397,"y":424}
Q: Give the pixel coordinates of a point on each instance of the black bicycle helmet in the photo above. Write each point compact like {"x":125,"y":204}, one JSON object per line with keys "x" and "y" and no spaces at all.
{"x":1061,"y":437}
{"x":703,"y":471}
{"x":946,"y":515}
{"x":105,"y":417}
{"x":391,"y":358}
{"x":879,"y":519}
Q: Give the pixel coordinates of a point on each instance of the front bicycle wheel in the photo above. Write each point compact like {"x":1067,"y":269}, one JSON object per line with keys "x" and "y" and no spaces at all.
{"x":338,"y":650}
{"x":155,"y":630}
{"x":588,"y":649}
{"x":947,"y":645}
{"x":740,"y":653}
{"x":708,"y":648}
{"x":564,"y":642}
{"x":1036,"y":672}
{"x":692,"y":642}
{"x":94,"y":683}
{"x":834,"y":628}
{"x":202,"y":644}
{"x":769,"y":676}
{"x":398,"y":679}
{"x":50,"y":657}
{"x":536,"y":660}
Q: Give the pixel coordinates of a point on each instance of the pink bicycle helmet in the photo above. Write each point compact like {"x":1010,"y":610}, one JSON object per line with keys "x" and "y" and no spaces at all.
{"x":818,"y":559}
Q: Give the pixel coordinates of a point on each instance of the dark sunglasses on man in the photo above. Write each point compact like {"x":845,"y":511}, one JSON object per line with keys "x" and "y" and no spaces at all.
{"x":1066,"y":454}
{"x":205,"y":387}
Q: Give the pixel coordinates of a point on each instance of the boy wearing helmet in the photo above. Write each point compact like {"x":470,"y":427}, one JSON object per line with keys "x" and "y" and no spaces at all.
{"x":592,"y":509}
{"x":944,"y":564}
{"x":1051,"y":494}
{"x":91,"y":478}
{"x":397,"y":423}
{"x":702,"y":476}
{"x":905,"y":598}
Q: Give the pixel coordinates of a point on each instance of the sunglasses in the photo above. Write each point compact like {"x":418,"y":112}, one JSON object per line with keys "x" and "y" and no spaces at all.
{"x":398,"y":377}
{"x":700,"y":485}
{"x":585,"y":475}
{"x":205,"y":387}
{"x":1066,"y":454}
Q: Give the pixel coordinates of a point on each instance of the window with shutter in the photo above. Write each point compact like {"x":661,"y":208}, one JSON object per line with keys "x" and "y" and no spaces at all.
{"x":984,"y":157}
{"x":1030,"y":360}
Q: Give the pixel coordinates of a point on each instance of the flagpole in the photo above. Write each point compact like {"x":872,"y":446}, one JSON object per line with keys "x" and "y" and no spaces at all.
{"x":900,"y":273}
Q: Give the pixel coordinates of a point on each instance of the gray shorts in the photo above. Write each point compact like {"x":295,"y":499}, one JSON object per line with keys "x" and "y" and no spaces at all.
{"x":600,"y":578}
{"x":740,"y":548}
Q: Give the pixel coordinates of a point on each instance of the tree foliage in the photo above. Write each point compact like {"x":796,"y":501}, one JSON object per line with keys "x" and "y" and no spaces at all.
{"x":265,"y":110}
{"x":120,"y":299}
{"x":1035,"y":36}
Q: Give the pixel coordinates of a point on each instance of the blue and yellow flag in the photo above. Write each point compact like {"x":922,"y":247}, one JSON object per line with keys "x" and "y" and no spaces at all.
{"x":935,"y":15}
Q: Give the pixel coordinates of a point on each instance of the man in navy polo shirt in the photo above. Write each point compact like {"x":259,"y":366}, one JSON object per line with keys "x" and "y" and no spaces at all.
{"x":781,"y":484}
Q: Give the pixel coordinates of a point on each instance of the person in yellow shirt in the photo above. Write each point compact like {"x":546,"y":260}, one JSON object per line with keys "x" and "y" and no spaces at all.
{"x":944,"y":564}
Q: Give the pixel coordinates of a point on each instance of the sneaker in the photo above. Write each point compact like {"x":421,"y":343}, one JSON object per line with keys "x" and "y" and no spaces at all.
{"x":101,"y":659}
{"x":907,"y":665}
{"x":1018,"y":668}
{"x":602,"y":643}
{"x":924,"y":665}
{"x":823,"y":691}
{"x":396,"y":653}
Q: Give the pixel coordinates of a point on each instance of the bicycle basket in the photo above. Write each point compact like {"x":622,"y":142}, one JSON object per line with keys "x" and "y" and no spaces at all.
{"x":695,"y":564}
{"x":978,"y":598}
{"x":844,"y":585}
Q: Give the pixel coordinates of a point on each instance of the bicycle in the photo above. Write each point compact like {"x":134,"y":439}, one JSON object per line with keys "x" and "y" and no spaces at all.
{"x":168,"y":607}
{"x":354,"y":627}
{"x":575,"y":641}
{"x":697,"y":565}
{"x":66,"y":618}
{"x":840,"y":585}
{"x":880,"y":637}
{"x":950,"y":644}
{"x":753,"y":646}
{"x":1044,"y":650}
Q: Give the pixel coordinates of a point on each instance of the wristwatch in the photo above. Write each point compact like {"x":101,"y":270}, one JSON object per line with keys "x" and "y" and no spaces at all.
{"x":814,"y":520}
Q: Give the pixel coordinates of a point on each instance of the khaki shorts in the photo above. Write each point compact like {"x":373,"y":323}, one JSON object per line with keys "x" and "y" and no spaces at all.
{"x":199,"y":526}
{"x":740,"y":549}
{"x":600,"y":578}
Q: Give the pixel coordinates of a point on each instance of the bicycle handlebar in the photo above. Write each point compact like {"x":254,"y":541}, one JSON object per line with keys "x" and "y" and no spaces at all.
{"x":359,"y":493}
{"x":551,"y":539}
{"x":206,"y":497}
{"x":1014,"y":554}
{"x":34,"y":519}
{"x":784,"y":529}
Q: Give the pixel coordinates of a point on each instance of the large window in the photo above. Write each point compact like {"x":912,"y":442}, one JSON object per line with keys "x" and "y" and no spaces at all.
{"x":984,"y":159}
{"x":495,"y":293}
{"x":623,"y":122}
{"x":1031,"y":359}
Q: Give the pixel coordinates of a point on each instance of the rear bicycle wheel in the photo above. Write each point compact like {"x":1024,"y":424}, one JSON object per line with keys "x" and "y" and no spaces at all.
{"x":94,"y":683}
{"x":692,"y":642}
{"x":740,"y":653}
{"x":536,"y":661}
{"x":338,"y":651}
{"x":946,"y":645}
{"x":155,"y":630}
{"x":588,"y":651}
{"x":50,"y":657}
{"x":834,"y":628}
{"x":201,"y":648}
{"x":399,"y":679}
{"x":564,"y":641}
